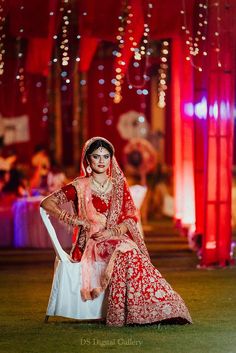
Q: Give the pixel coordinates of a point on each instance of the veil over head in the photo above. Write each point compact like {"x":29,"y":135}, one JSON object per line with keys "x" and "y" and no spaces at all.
{"x":121,"y":210}
{"x":122,"y":205}
{"x":87,"y":144}
{"x":116,"y":173}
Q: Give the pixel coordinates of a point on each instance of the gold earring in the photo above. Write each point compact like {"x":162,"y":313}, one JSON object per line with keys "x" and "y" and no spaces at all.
{"x":89,"y":169}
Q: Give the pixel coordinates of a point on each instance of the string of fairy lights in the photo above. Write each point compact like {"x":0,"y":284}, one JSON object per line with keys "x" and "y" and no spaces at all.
{"x":196,"y":44}
{"x":162,"y":74}
{"x":137,"y":77}
{"x":124,"y":20}
{"x":64,"y":58}
{"x":217,"y":33}
{"x":2,"y":36}
{"x":20,"y":75}
{"x":141,"y":55}
{"x":64,"y":40}
{"x":140,"y":51}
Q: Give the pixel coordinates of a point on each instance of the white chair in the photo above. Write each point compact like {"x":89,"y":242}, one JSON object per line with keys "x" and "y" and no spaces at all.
{"x":138,"y":193}
{"x":65,"y":299}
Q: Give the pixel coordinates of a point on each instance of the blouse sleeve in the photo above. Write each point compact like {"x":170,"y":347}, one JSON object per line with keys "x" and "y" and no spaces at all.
{"x":65,"y":194}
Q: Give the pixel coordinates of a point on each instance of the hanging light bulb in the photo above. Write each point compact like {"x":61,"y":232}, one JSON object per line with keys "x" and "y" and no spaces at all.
{"x":194,"y":43}
{"x":162,"y":82}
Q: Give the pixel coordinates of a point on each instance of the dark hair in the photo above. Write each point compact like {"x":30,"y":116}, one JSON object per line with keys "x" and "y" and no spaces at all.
{"x":96,"y":144}
{"x":14,"y":182}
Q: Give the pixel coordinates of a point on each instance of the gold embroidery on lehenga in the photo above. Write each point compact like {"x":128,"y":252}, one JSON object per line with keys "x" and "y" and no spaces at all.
{"x":133,"y":229}
{"x":145,"y":303}
{"x":116,"y":205}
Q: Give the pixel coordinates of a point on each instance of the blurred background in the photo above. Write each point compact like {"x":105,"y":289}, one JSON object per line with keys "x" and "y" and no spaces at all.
{"x":155,"y":78}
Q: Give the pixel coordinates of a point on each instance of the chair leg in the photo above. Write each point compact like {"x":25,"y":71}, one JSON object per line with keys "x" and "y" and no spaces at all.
{"x":46,"y":319}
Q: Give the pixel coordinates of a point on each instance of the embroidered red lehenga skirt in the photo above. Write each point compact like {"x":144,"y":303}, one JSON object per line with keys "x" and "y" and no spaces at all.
{"x":138,"y":294}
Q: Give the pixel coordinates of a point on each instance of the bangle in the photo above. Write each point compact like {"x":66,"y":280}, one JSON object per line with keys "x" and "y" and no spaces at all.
{"x":62,"y":215}
{"x":112,"y":234}
{"x":116,"y":231}
{"x":70,"y":219}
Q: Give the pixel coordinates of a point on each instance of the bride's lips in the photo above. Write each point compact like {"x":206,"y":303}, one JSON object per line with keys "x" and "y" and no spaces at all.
{"x":101,"y":165}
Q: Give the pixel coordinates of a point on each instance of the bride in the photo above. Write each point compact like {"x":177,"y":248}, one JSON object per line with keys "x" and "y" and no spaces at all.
{"x":105,"y":229}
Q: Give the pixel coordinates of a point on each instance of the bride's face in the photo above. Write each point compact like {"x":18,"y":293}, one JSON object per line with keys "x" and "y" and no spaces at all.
{"x":100,"y":160}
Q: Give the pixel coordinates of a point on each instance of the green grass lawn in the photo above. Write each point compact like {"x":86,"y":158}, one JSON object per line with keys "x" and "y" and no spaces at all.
{"x":25,"y":281}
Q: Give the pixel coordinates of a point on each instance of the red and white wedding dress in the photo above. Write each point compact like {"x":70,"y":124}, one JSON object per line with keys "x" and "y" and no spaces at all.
{"x":137,"y":292}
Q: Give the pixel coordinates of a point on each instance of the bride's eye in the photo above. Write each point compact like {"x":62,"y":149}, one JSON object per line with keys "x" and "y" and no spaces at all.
{"x":95,"y":156}
{"x":106,"y":156}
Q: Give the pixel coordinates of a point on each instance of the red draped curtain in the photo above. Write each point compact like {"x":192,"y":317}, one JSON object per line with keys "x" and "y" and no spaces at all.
{"x":203,"y":104}
{"x":214,"y":102}
{"x":218,"y":176}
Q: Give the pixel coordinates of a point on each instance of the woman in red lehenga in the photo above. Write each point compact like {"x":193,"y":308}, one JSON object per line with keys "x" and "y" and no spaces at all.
{"x":106,"y":230}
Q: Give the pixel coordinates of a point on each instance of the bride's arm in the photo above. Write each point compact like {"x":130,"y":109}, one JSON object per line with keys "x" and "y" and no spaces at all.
{"x":52,"y":204}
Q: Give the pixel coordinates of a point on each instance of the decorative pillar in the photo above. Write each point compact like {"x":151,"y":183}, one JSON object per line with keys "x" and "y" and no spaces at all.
{"x":183,"y":138}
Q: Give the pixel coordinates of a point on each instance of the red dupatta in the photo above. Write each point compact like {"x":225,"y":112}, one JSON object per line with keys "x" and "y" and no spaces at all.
{"x":122,"y":205}
{"x":122,"y":210}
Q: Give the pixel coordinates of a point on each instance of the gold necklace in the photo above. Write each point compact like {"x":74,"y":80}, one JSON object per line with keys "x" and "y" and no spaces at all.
{"x":101,"y":188}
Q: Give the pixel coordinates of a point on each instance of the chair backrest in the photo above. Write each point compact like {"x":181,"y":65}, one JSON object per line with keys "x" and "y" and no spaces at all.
{"x":61,"y":254}
{"x":138,"y":193}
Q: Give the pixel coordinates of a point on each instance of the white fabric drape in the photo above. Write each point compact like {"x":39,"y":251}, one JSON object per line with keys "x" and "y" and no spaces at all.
{"x":65,"y":299}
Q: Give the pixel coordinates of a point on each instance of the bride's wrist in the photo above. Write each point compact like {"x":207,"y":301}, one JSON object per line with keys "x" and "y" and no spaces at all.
{"x":116,"y":231}
{"x":70,"y":219}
